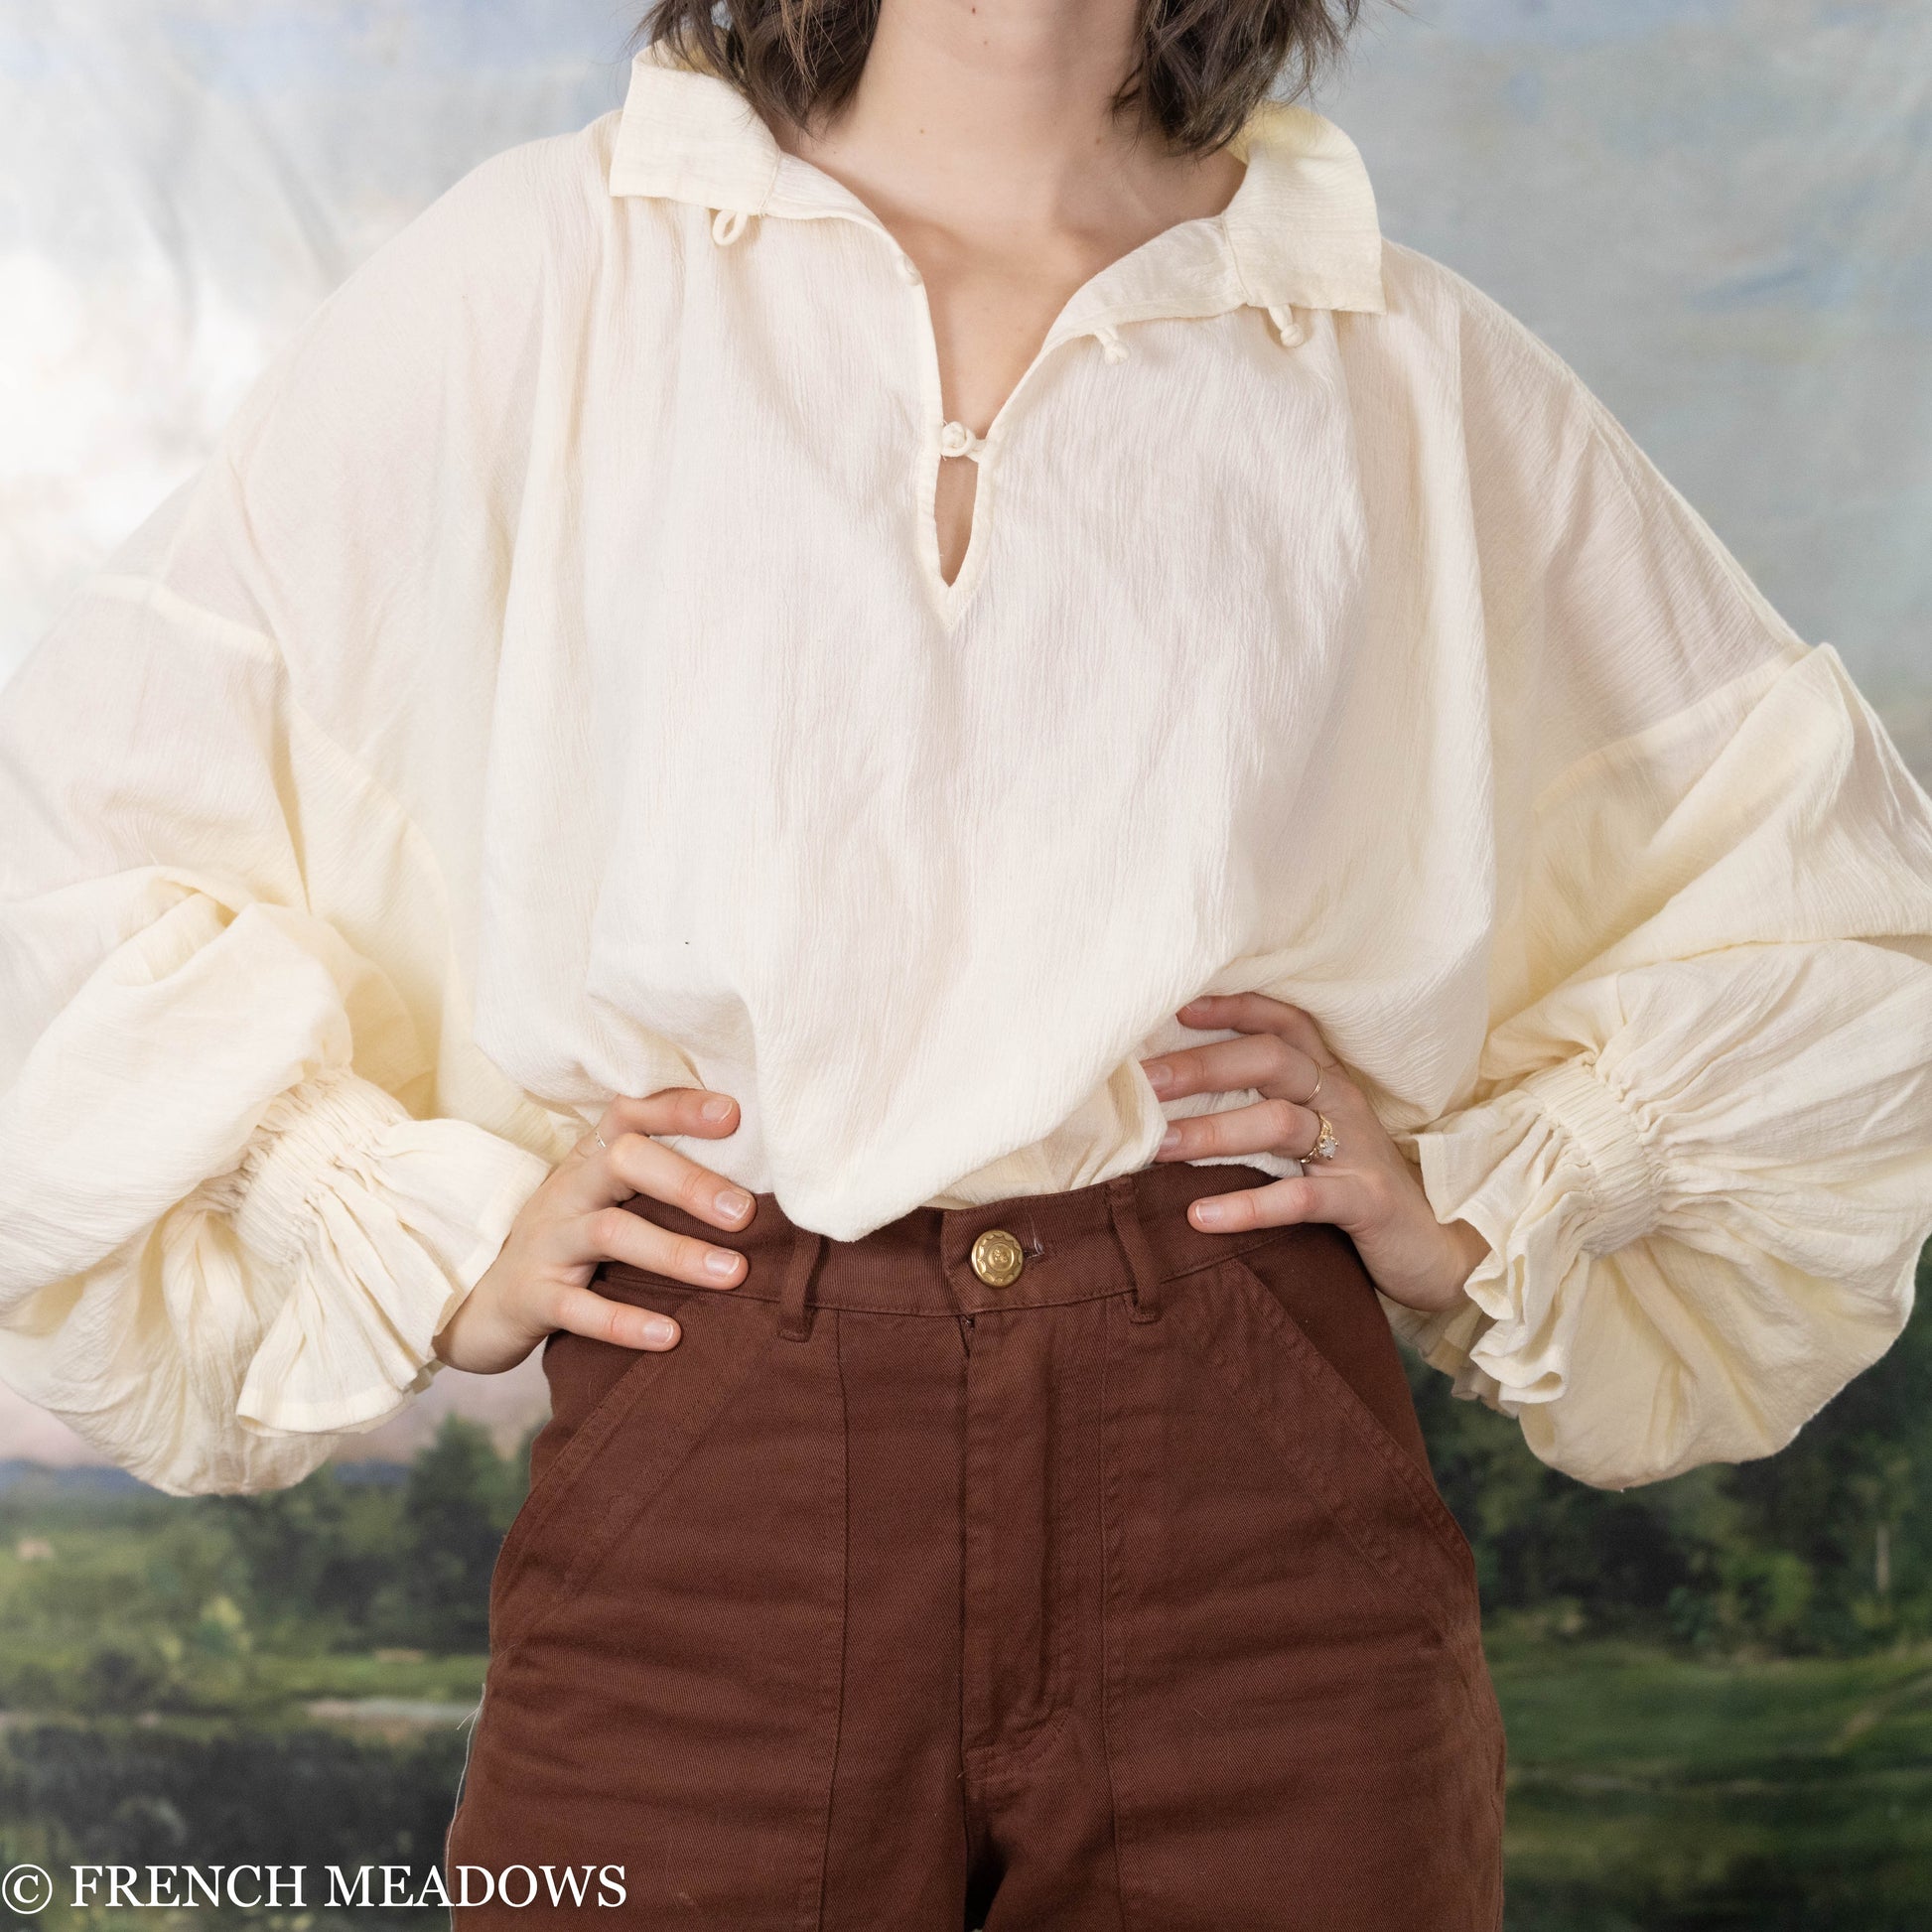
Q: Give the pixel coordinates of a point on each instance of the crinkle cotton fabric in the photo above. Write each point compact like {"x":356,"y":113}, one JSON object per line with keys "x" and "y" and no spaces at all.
{"x":548,"y":690}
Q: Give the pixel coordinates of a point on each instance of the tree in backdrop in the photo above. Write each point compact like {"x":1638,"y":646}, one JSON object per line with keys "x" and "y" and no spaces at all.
{"x":1825,"y":1545}
{"x":458,"y":1501}
{"x":360,"y":1561}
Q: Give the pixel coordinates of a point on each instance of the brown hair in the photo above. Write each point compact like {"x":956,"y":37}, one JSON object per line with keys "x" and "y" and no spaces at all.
{"x":1203,"y":64}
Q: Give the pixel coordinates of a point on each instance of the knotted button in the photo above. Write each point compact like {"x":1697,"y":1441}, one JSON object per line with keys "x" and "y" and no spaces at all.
{"x":1288,"y":326}
{"x":998,"y":1258}
{"x":910,"y":270}
{"x":955,"y":439}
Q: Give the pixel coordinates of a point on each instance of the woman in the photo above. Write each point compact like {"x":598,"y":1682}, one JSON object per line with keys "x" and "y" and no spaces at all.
{"x":920,"y":680}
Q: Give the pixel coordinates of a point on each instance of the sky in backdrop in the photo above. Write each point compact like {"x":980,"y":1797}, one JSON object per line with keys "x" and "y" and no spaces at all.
{"x":1717,"y":211}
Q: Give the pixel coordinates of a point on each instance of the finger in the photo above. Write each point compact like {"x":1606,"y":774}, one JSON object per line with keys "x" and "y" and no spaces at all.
{"x":638,"y":1164}
{"x":585,"y":1312}
{"x":613,"y":1233}
{"x":665,"y":1174}
{"x":1316,"y":1196}
{"x":1259,"y":1012}
{"x":1264,"y":1061}
{"x":671,"y":1110}
{"x":1262,"y":1126}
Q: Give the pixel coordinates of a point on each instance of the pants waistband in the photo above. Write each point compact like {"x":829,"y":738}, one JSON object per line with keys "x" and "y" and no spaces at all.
{"x":1116,"y":1236}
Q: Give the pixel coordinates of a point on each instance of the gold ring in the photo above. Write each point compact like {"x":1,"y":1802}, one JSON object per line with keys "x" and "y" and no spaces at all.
{"x":1325,"y":1146}
{"x":600,"y":1141}
{"x":1313,"y":1090}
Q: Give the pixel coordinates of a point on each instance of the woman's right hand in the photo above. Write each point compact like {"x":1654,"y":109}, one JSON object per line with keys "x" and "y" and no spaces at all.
{"x":573,"y":1223}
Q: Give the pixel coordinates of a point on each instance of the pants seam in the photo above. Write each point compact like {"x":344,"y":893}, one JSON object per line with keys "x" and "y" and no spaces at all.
{"x":1004,"y":1762}
{"x":811,"y":1916}
{"x":1108,"y":1488}
{"x":971,"y":1827}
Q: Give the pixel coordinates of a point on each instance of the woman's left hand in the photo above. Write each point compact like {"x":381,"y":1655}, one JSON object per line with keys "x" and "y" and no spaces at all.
{"x":1368,"y":1190}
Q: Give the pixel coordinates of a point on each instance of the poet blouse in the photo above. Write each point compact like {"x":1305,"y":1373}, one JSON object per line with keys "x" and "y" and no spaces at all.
{"x":547,"y":690}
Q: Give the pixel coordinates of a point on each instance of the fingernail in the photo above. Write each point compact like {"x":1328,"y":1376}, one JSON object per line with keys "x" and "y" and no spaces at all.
{"x":1170,"y":1139}
{"x":1210,"y":1213}
{"x":720,"y":1262}
{"x":731,"y":1205}
{"x":1159,"y":1075}
{"x":716,"y":1108}
{"x":660,"y":1331}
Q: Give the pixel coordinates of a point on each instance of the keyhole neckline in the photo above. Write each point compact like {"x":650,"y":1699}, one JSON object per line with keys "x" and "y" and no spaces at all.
{"x":1130,"y":288}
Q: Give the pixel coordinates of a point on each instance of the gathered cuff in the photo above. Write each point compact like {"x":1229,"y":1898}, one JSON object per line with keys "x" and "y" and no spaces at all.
{"x":376,"y":1225}
{"x":1625,"y":1191}
{"x":1551,"y":1173}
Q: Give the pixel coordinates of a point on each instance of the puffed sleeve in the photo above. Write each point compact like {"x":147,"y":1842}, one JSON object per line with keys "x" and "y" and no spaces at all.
{"x":1699,"y":1139}
{"x":242,"y":1182}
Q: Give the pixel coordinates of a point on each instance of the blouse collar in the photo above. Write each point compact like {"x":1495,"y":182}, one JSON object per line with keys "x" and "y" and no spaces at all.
{"x":1301,"y":231}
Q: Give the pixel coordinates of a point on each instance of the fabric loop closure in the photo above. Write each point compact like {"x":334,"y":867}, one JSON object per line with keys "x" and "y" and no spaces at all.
{"x":955,"y":439}
{"x":1287,"y":324}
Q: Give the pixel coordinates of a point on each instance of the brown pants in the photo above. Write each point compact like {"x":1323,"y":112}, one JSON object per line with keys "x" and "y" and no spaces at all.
{"x":1117,"y":1596}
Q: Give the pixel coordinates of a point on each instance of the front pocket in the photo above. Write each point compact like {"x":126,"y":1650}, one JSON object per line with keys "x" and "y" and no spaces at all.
{"x":1402,"y":1461}
{"x":664,"y":1684}
{"x":639,"y":1429}
{"x":1335,"y":1446}
{"x":1294,"y":1661}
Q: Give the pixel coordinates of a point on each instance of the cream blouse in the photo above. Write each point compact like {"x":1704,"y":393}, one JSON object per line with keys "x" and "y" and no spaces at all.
{"x":548,"y":691}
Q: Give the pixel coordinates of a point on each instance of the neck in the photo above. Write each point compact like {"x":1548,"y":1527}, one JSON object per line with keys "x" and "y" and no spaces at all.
{"x":1005,"y":107}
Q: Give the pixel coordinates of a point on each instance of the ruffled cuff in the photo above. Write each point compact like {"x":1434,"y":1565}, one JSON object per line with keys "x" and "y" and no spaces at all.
{"x":1551,"y":1173}
{"x":375,"y":1226}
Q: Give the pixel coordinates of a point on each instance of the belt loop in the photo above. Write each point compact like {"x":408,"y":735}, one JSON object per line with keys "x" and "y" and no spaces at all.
{"x":1123,"y":1203}
{"x":794,"y":1318}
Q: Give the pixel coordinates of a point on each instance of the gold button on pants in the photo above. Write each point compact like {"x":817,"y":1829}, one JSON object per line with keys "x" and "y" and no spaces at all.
{"x":996,"y":1258}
